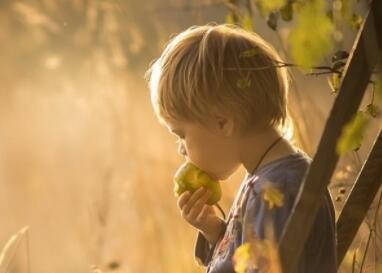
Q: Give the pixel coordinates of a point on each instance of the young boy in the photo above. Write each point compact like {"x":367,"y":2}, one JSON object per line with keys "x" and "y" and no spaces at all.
{"x":218,"y":88}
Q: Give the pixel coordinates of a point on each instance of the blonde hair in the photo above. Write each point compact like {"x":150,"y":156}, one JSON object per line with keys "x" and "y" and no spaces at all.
{"x":222,"y":66}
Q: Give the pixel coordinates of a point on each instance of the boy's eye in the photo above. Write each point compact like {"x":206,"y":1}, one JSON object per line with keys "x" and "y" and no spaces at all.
{"x":179,"y":136}
{"x":178,"y":140}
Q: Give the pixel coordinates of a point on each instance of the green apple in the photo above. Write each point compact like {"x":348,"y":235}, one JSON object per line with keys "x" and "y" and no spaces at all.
{"x":189,"y":177}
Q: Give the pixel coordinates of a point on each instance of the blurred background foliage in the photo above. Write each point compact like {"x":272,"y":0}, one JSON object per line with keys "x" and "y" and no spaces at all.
{"x":85,"y":164}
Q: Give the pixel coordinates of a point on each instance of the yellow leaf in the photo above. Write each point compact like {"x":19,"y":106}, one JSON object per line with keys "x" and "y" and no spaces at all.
{"x":356,"y":21}
{"x":246,"y":22}
{"x":229,"y":18}
{"x":249,"y":53}
{"x":243,"y":83}
{"x":241,"y":258}
{"x":257,"y":254}
{"x":372,"y":110}
{"x":273,"y":196}
{"x":350,"y":257}
{"x":266,"y":6}
{"x":305,"y":50}
{"x":334,"y":81}
{"x":352,"y":133}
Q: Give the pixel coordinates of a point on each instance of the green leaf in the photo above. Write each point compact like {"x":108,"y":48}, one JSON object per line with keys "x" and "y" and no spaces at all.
{"x":356,"y":21}
{"x":287,"y":11}
{"x":309,"y":48}
{"x":334,"y":81}
{"x":249,"y":53}
{"x":266,"y":6}
{"x":372,"y":110}
{"x":272,"y":20}
{"x":243,"y":83}
{"x":246,"y":22}
{"x":352,"y":133}
{"x":230,"y":18}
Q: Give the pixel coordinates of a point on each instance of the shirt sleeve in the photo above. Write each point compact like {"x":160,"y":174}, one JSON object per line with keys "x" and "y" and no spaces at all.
{"x":203,"y":250}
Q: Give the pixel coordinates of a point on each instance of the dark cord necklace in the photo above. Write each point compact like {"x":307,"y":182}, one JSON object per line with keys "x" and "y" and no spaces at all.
{"x":251,"y":173}
{"x":262,"y":157}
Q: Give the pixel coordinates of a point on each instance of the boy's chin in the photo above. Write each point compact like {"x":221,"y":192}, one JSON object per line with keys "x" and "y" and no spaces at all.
{"x":228,"y":173}
{"x":214,"y":176}
{"x":221,"y":177}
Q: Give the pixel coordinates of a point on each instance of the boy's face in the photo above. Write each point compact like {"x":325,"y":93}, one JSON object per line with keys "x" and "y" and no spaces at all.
{"x":213,"y":149}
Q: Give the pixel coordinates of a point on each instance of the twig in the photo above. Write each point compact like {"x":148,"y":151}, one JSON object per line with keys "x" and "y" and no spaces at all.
{"x":27,"y":251}
{"x":372,"y":230}
{"x":321,"y":73}
{"x":14,"y":240}
{"x":358,"y":159}
{"x":283,"y":64}
{"x":353,"y":262}
{"x":367,"y":247}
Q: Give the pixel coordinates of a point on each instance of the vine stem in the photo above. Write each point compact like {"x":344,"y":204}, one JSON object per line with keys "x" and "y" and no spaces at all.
{"x":283,"y":64}
{"x":221,"y":210}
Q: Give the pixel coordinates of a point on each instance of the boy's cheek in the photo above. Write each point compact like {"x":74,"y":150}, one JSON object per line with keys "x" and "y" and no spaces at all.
{"x":208,"y":166}
{"x":206,"y":158}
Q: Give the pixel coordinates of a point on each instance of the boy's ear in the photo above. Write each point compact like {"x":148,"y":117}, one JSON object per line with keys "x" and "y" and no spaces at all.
{"x":223,"y":123}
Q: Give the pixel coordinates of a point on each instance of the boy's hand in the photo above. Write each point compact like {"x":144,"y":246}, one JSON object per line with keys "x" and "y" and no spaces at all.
{"x":199,"y":214}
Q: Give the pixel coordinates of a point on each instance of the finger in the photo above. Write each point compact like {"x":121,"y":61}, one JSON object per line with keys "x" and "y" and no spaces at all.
{"x":183,"y":199}
{"x":202,"y":214}
{"x":190,"y":202}
{"x":198,"y":205}
{"x":196,"y":195}
{"x":196,"y":212}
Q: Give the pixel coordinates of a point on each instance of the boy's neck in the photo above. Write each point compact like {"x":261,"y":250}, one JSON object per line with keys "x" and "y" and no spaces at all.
{"x":255,"y":145}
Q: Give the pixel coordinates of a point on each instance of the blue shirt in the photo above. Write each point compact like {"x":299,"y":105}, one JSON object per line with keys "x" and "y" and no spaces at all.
{"x":249,"y":212}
